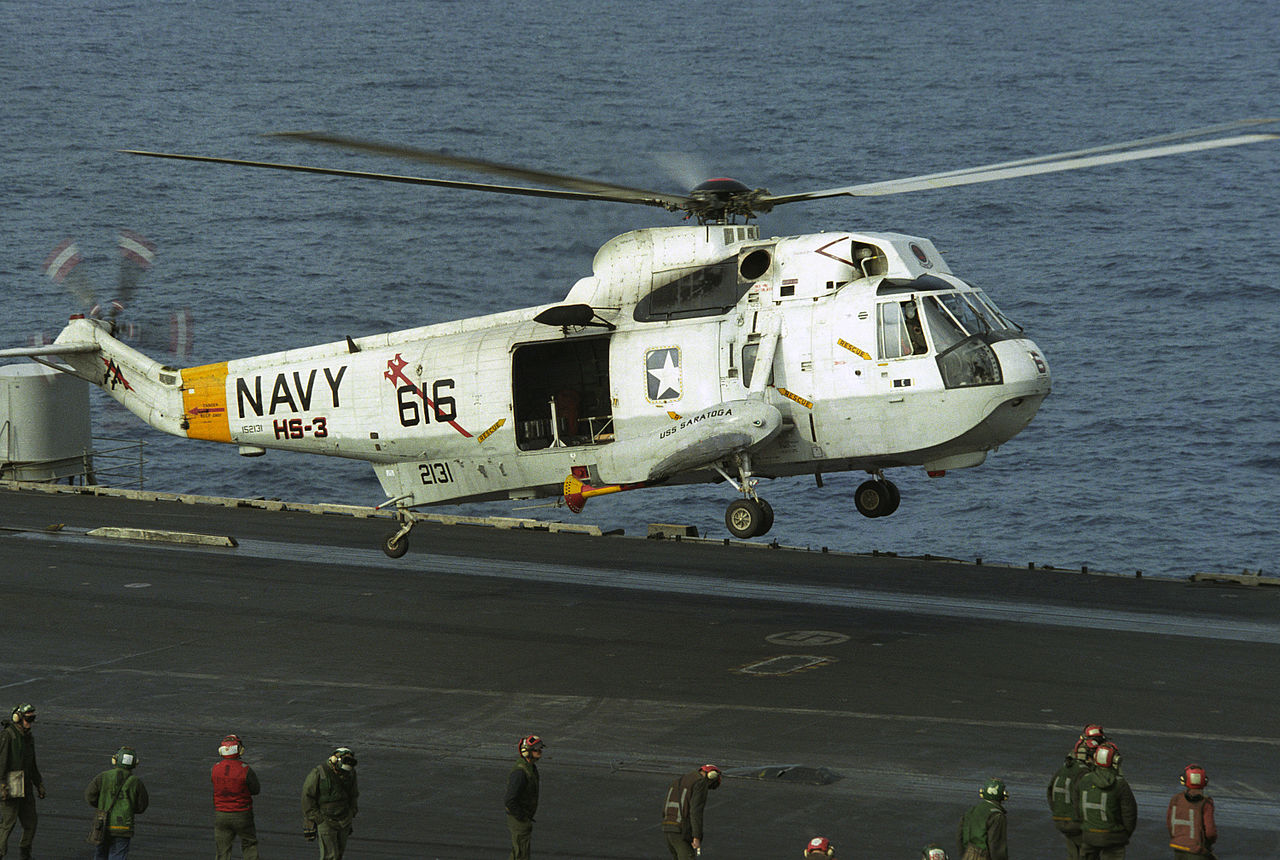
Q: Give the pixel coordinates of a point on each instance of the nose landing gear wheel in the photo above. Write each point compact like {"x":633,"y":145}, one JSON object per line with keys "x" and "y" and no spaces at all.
{"x":747,"y":518}
{"x":877,"y":498}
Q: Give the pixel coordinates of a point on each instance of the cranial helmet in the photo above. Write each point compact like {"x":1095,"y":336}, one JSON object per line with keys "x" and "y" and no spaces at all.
{"x":993,"y":790}
{"x":344,"y":758}
{"x":125,"y":757}
{"x":933,"y":851}
{"x":531,"y":743}
{"x":712,"y":773}
{"x":1094,"y":731}
{"x":231,"y":746}
{"x":1193,"y":776}
{"x":1083,"y":750}
{"x":24,"y":711}
{"x":819,"y":845}
{"x":1107,"y":755}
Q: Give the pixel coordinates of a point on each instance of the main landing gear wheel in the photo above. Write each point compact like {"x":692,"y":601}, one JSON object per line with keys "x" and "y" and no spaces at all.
{"x":877,"y":498}
{"x":395,"y":544}
{"x":748,"y":518}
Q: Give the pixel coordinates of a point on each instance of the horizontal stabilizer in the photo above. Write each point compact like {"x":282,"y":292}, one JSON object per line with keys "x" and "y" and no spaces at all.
{"x":49,"y":349}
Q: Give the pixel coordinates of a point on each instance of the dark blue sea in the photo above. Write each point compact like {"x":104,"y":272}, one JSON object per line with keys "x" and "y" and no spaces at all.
{"x":1153,"y":288}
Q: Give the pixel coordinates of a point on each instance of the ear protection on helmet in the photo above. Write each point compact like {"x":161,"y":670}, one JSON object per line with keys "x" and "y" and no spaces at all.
{"x":125,"y":757}
{"x":531,"y":743}
{"x":994,"y":790}
{"x":933,"y":852}
{"x":1193,"y":776}
{"x":343,"y":758}
{"x":711,"y":772}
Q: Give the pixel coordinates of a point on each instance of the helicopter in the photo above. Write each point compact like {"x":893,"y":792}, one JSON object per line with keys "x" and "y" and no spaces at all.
{"x":701,"y":352}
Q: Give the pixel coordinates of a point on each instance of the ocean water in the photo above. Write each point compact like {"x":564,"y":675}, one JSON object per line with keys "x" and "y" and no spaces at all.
{"x":1153,"y":288}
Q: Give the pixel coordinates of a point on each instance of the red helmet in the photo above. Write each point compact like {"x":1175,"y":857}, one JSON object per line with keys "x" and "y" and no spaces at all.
{"x":1193,"y":776}
{"x":231,"y":746}
{"x":819,"y":845}
{"x":1094,"y":731}
{"x":1083,"y":750}
{"x":531,"y":743}
{"x":1107,"y":755}
{"x":711,"y":772}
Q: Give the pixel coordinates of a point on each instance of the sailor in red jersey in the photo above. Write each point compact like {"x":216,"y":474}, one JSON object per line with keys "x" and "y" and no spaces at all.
{"x":234,"y":784}
{"x":1190,"y":817}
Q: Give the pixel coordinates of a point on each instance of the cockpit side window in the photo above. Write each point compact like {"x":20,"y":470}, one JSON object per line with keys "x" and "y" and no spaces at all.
{"x":900,"y":331}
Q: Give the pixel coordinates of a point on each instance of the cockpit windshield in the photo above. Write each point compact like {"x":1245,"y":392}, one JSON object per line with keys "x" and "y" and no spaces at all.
{"x":950,"y":317}
{"x":954,"y":316}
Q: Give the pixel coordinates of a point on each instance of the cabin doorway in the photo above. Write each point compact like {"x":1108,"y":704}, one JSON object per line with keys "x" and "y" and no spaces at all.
{"x":560,"y":393}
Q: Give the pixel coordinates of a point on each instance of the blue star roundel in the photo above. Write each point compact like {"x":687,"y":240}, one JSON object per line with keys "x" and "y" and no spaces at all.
{"x":664,"y":375}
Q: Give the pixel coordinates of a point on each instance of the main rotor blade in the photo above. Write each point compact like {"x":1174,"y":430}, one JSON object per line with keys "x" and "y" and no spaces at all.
{"x":1073,"y":160}
{"x":444,"y":159}
{"x":411,"y":180}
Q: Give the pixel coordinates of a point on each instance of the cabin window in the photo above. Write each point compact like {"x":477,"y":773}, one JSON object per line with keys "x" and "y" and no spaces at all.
{"x":706,"y":291}
{"x":560,"y":393}
{"x":900,"y":331}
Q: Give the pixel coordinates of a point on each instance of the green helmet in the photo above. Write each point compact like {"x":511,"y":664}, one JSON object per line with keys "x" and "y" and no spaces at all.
{"x":125,"y":757}
{"x":994,"y":790}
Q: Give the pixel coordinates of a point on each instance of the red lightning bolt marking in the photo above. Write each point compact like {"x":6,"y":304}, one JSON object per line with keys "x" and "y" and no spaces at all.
{"x":395,"y":371}
{"x":114,"y":374}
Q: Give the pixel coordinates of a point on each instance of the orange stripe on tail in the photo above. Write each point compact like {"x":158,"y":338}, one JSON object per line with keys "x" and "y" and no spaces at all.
{"x":204,"y":402}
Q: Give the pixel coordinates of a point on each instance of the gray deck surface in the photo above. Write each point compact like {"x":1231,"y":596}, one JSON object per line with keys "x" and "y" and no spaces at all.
{"x":636,"y":661}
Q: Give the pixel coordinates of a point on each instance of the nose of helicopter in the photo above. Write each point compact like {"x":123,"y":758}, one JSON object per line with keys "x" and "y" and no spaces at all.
{"x":1023,"y":366}
{"x":1027,"y":383}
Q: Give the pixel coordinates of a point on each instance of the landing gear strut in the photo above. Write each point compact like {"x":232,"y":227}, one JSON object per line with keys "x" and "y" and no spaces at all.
{"x":749,"y":516}
{"x":878,"y":497}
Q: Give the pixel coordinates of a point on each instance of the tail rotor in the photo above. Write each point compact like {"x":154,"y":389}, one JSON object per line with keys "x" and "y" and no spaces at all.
{"x":64,"y":266}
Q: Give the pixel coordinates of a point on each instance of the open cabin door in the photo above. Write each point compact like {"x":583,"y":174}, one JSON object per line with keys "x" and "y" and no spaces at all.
{"x":560,"y":393}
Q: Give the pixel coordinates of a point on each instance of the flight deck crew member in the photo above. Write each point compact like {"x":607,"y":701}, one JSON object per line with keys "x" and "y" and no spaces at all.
{"x":1062,"y":793}
{"x":234,"y":785}
{"x":982,"y":827}
{"x":120,"y":794}
{"x":330,"y":796}
{"x":1108,"y":812}
{"x":682,"y":811}
{"x":18,"y":802}
{"x":521,"y":800}
{"x":1192,"y":831}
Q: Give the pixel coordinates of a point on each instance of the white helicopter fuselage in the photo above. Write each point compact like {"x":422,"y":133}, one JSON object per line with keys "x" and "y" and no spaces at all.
{"x":819,"y":353}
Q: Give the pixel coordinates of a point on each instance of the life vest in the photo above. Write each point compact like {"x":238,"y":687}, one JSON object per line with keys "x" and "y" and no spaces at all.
{"x":1100,"y":810}
{"x":231,"y":786}
{"x":1061,"y":795}
{"x":1186,"y":820}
